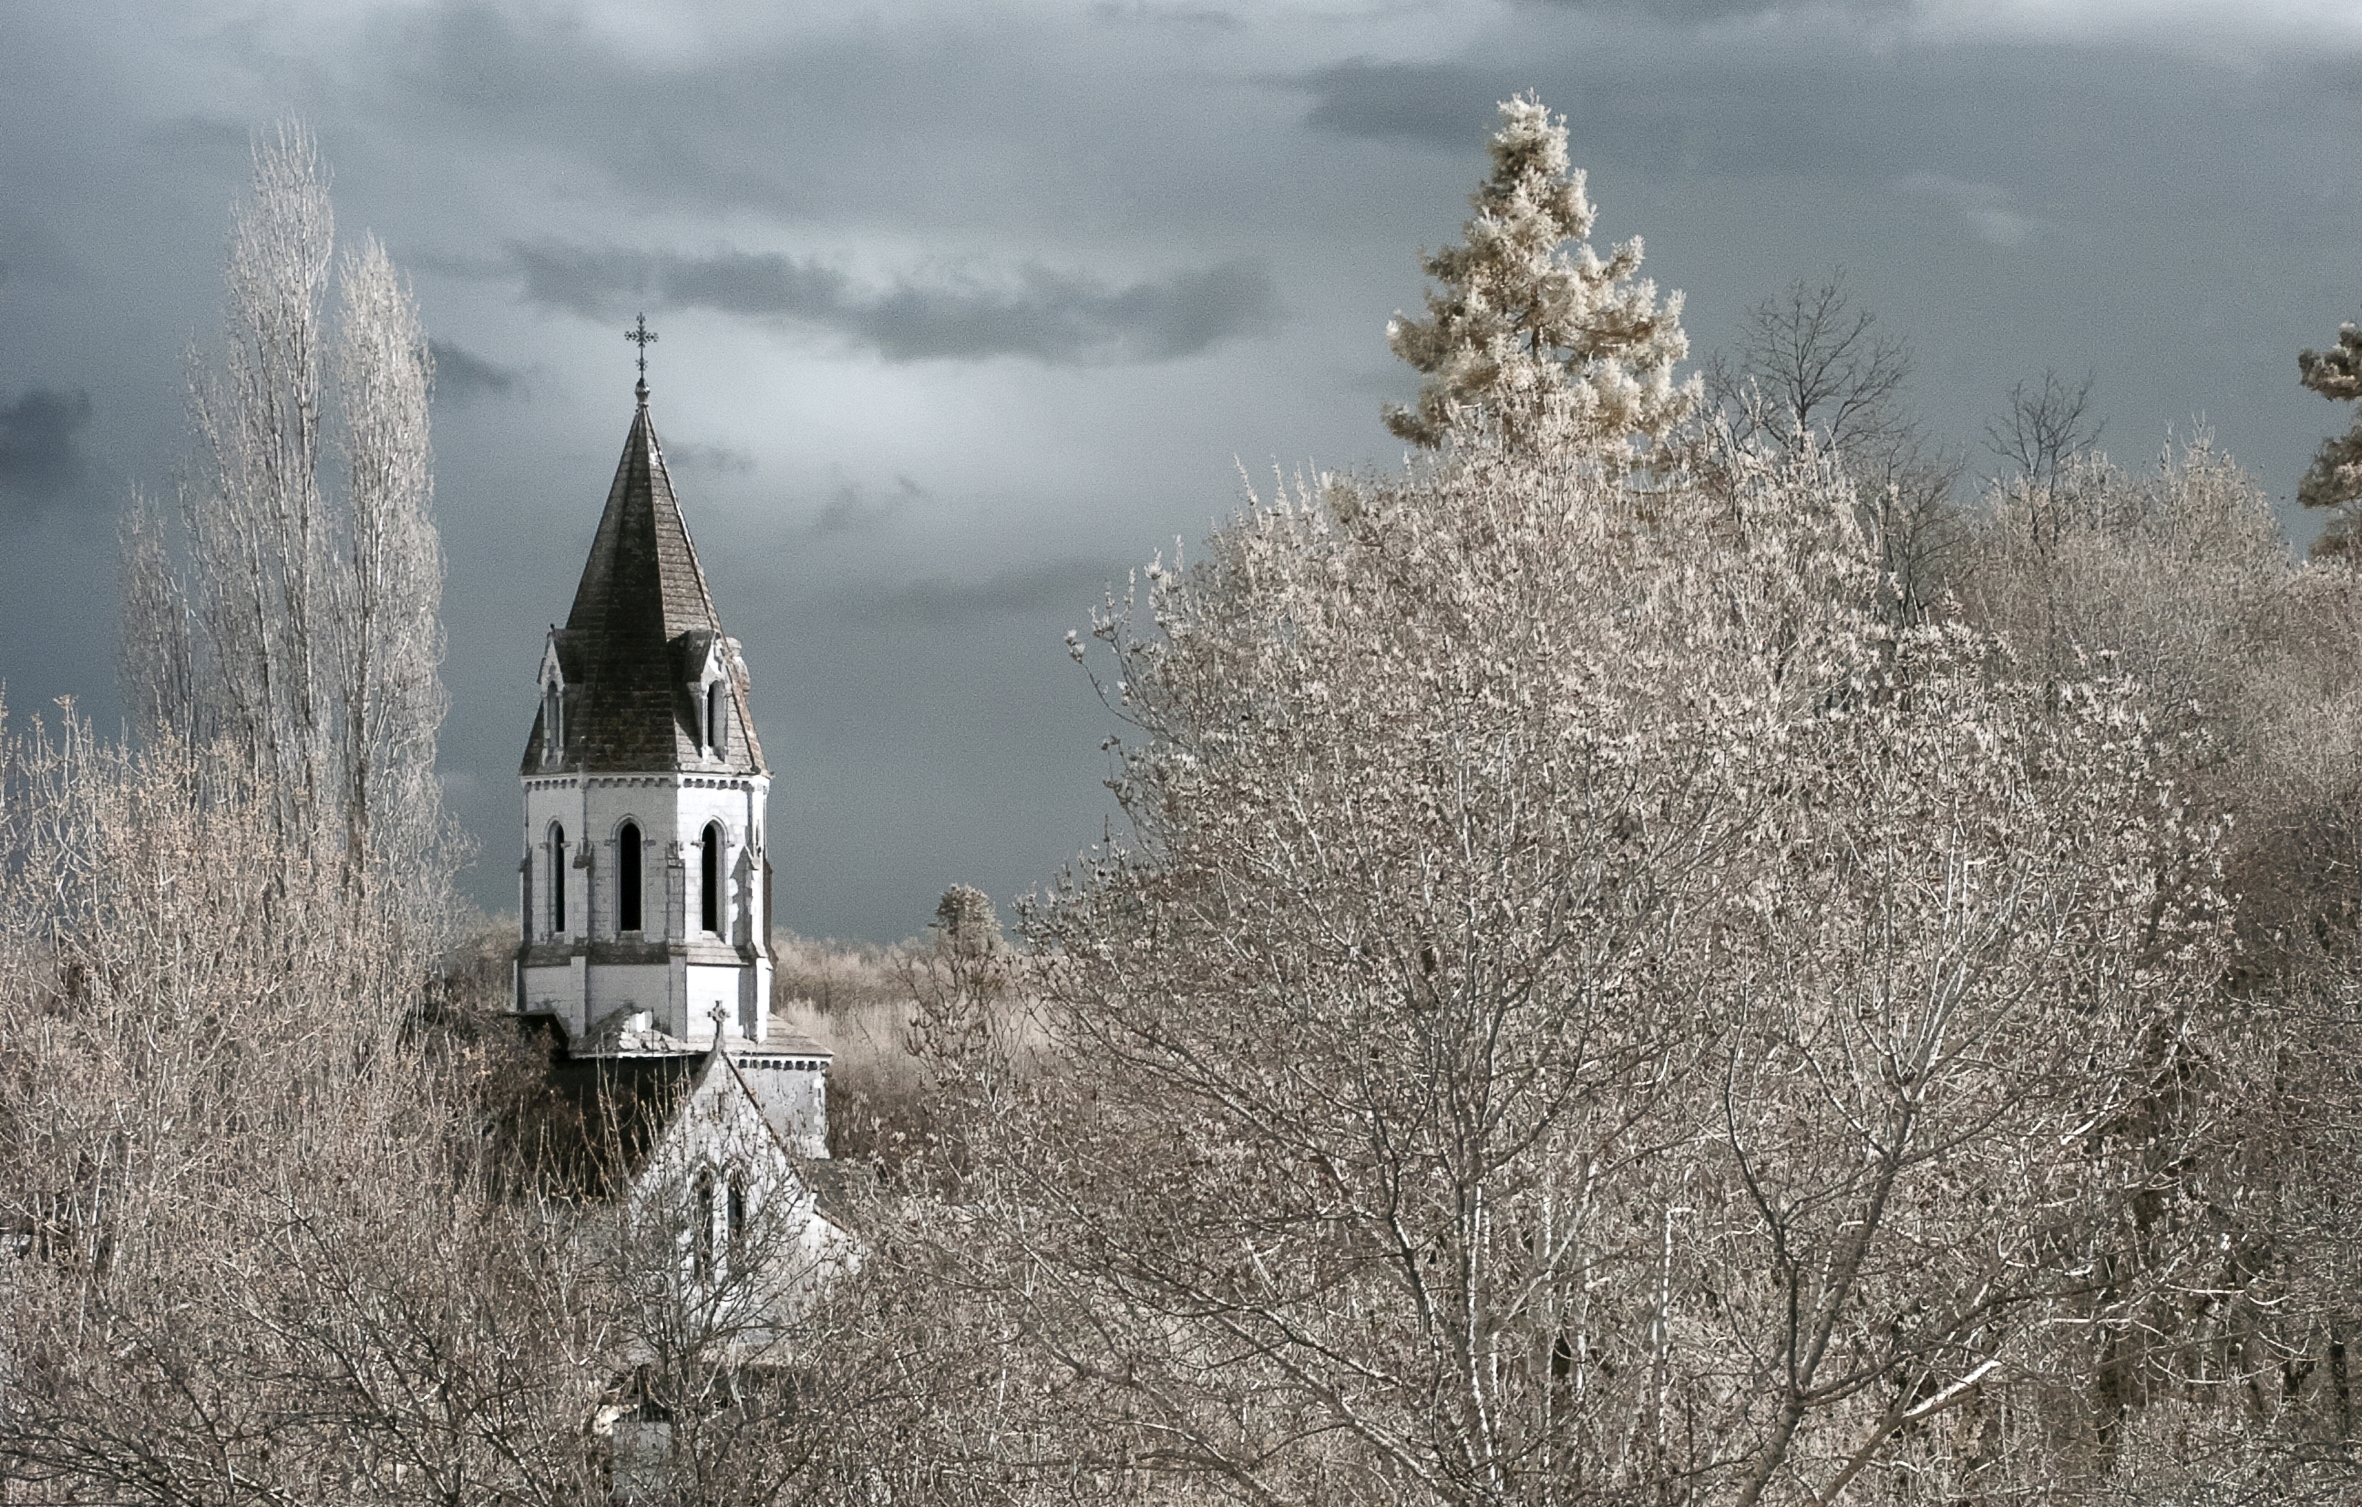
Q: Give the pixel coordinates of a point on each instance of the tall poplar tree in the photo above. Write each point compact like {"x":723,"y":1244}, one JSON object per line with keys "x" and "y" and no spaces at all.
{"x":298,"y":611}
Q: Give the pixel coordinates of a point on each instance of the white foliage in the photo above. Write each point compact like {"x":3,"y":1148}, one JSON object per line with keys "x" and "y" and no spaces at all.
{"x":1529,"y":338}
{"x":1590,"y":1001}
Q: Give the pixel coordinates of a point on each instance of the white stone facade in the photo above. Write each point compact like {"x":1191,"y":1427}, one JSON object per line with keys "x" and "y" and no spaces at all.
{"x":584,"y":964}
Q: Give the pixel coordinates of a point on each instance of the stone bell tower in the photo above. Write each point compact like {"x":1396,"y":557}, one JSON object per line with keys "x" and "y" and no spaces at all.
{"x":644,"y":886}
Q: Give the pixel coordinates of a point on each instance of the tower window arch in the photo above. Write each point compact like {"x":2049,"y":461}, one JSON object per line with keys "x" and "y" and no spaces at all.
{"x":553,"y":722}
{"x":627,"y":877}
{"x":709,"y":879}
{"x":701,"y":1224}
{"x":557,"y":879}
{"x":717,"y":720}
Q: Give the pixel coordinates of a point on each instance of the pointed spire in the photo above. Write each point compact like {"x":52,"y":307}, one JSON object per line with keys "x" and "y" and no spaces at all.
{"x":642,"y":626}
{"x":643,"y":572}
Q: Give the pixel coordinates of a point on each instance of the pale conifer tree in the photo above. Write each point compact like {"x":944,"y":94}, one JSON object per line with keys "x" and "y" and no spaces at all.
{"x":965,"y":924}
{"x":1524,"y":335}
{"x":2335,"y":479}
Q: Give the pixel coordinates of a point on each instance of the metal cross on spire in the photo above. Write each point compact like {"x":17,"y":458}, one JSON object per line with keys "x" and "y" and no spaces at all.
{"x":643,"y":337}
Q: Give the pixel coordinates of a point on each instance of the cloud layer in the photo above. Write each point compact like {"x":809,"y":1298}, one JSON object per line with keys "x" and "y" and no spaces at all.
{"x":462,"y":378}
{"x":1032,"y":311}
{"x":1984,"y":207}
{"x":966,"y":303}
{"x":39,"y":456}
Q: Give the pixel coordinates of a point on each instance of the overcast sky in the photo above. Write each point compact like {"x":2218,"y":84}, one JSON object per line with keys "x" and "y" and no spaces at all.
{"x":966,"y":308}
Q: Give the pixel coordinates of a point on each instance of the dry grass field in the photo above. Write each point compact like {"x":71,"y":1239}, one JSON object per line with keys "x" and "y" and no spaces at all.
{"x":856,"y":999}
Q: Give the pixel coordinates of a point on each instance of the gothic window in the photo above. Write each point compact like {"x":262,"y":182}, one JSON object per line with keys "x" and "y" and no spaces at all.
{"x":557,"y":879}
{"x":738,"y":1231}
{"x":717,"y":721}
{"x":709,"y":880}
{"x":553,"y":722}
{"x":701,"y":1225}
{"x":627,"y":877}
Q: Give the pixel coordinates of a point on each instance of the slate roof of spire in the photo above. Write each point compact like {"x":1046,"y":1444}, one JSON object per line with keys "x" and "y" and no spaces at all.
{"x":642,"y":626}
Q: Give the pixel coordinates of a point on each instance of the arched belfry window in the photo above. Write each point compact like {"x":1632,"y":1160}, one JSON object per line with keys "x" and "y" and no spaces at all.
{"x":627,"y":877}
{"x":717,"y":721}
{"x":701,"y":1224}
{"x":709,"y":879}
{"x":553,"y":722}
{"x":557,"y":879}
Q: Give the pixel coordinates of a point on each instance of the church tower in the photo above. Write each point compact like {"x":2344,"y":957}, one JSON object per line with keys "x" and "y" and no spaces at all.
{"x":644,"y":887}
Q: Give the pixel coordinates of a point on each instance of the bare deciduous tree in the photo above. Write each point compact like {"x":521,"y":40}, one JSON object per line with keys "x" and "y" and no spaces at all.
{"x":1591,"y":1013}
{"x":386,"y":579}
{"x":1818,"y":362}
{"x":288,"y":1235}
{"x":2047,"y":429}
{"x":1813,"y":363}
{"x":260,"y":1260}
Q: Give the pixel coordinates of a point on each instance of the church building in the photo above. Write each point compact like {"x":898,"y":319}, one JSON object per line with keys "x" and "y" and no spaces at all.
{"x":644,"y":884}
{"x":690,"y":1121}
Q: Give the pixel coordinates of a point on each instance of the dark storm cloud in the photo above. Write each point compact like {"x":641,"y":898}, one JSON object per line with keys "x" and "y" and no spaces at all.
{"x":700,"y":132}
{"x":1706,"y":12}
{"x":1140,"y":12}
{"x":823,"y":119}
{"x":597,"y":283}
{"x":38,"y":457}
{"x":724,"y":459}
{"x":1052,"y":316}
{"x":1810,"y":98}
{"x":1680,"y":12}
{"x":200,"y":143}
{"x":1432,"y":104}
{"x":481,"y":62}
{"x":1037,"y":587}
{"x":28,"y":252}
{"x":462,"y":377}
{"x":852,"y":509}
{"x":1613,"y":109}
